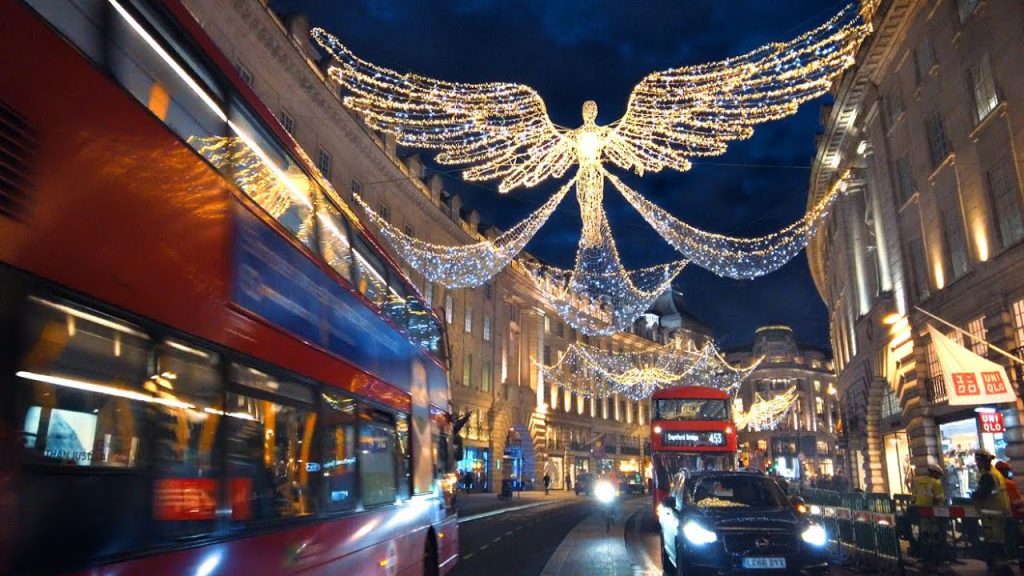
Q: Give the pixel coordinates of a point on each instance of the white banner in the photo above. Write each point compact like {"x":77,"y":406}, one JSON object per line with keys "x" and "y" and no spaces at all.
{"x":970,"y":379}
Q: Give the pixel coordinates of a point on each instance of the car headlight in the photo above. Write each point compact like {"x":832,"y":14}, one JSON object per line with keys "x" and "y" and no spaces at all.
{"x":604,"y":491}
{"x":697,"y":534}
{"x":814,"y":535}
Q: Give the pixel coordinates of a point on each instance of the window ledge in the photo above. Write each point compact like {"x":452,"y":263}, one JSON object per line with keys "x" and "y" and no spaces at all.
{"x":998,"y":111}
{"x":949,"y":160}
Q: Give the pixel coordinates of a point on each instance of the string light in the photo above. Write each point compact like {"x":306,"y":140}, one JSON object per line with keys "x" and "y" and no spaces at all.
{"x":468,"y":265}
{"x":764,"y":414}
{"x":502,"y":132}
{"x":592,"y":372}
{"x":741,"y":258}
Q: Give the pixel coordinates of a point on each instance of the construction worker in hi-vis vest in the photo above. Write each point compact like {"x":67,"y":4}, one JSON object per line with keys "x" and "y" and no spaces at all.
{"x":928,"y":491}
{"x":993,"y":505}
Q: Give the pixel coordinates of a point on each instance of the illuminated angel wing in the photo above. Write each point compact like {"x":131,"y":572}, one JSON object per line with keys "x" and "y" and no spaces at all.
{"x":692,"y":111}
{"x":501,"y":129}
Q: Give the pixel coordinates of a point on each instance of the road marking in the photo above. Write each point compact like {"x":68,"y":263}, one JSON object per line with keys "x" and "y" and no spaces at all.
{"x":467,"y":556}
{"x":509,"y":533}
{"x":501,"y":511}
{"x":484,"y":547}
{"x":498,"y":539}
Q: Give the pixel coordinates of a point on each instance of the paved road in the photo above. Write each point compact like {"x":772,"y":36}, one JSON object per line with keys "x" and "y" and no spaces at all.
{"x":518,"y":543}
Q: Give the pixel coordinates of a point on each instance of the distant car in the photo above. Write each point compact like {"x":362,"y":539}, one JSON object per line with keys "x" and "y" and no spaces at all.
{"x":737,"y":523}
{"x":584,"y":484}
{"x":632,"y":484}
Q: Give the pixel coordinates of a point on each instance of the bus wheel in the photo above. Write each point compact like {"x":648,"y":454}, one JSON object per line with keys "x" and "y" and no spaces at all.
{"x":430,"y":567}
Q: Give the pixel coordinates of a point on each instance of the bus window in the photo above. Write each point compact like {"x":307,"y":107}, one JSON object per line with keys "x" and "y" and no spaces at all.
{"x":80,"y":21}
{"x":334,"y":245}
{"x":268,"y":447}
{"x":186,"y":485}
{"x":82,"y":405}
{"x":338,"y":461}
{"x":188,"y":107}
{"x":370,"y":278}
{"x":423,"y":328}
{"x":396,"y":302}
{"x":268,"y":174}
{"x":691,"y":409}
{"x":377,"y":453}
{"x":82,"y":415}
{"x":402,"y":455}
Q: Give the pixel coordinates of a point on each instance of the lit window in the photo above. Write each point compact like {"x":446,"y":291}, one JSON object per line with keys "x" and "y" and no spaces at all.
{"x":547,"y":324}
{"x":428,"y":293}
{"x":487,"y":328}
{"x":983,"y":89}
{"x":449,"y":308}
{"x":485,"y":380}
{"x":467,"y":369}
{"x":1002,"y":188}
{"x":469,"y":319}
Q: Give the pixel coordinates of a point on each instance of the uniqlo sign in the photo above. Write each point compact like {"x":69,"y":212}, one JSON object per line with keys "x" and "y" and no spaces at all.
{"x":991,"y":422}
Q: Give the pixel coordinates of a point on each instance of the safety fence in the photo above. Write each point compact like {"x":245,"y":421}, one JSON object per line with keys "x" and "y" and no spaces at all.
{"x":875,"y":533}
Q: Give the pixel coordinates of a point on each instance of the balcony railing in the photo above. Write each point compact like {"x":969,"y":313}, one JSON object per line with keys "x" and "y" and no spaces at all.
{"x":935,"y":390}
{"x":1018,"y":368}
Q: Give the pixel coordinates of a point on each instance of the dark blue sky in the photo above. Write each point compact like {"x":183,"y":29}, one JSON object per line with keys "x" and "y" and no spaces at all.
{"x":576,"y":50}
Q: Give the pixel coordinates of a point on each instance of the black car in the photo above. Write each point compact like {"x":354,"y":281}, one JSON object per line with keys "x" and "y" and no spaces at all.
{"x":737,"y":523}
{"x":584,"y":484}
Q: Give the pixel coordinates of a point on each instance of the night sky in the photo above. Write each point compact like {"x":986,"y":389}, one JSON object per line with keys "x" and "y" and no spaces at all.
{"x":570,"y":51}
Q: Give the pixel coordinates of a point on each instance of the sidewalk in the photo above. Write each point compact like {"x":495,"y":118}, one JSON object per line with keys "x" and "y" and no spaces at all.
{"x":592,"y":550}
{"x":965,"y":567}
{"x":470,"y":506}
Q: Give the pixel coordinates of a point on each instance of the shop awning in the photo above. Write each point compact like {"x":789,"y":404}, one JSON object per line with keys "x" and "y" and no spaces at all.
{"x":970,"y":379}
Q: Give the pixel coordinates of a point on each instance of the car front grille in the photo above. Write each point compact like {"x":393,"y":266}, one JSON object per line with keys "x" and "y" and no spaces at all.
{"x":759,"y":543}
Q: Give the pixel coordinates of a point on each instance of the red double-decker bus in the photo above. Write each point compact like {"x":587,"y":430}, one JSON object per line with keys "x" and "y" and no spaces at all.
{"x":691,"y":429}
{"x":208,"y":366}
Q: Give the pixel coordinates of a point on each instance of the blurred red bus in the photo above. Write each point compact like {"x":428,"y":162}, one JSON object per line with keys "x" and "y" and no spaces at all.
{"x":691,"y":429}
{"x":209,"y":366}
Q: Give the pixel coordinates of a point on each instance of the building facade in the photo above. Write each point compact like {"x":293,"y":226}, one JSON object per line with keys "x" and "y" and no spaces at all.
{"x":802,"y":444}
{"x":926,"y":140}
{"x":518,"y":425}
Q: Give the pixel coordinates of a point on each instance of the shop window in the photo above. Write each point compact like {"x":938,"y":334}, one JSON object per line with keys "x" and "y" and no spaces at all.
{"x":338,"y":460}
{"x":822,"y":448}
{"x":959,"y":441}
{"x":378,"y":456}
{"x":762,"y":445}
{"x":268,"y":446}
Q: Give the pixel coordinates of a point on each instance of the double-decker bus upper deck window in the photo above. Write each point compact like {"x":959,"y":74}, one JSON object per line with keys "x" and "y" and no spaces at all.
{"x":269,"y":443}
{"x":370,"y":271}
{"x":266,"y":173}
{"x":337,"y":464}
{"x":334,"y":244}
{"x":155,"y":76}
{"x":423,"y":327}
{"x":691,"y":409}
{"x":377,"y":457}
{"x":186,"y":484}
{"x":80,"y":21}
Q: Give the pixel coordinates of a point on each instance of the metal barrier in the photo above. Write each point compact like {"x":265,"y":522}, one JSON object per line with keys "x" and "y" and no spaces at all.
{"x":862,"y":529}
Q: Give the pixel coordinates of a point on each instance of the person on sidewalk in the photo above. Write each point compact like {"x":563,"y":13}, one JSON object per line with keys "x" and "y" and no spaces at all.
{"x":547,"y":483}
{"x":994,"y":506}
{"x":568,"y":483}
{"x":927,"y":491}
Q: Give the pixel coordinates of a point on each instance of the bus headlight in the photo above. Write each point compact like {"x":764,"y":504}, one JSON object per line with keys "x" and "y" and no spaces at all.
{"x":814,"y":535}
{"x":698,"y":535}
{"x":604,"y":491}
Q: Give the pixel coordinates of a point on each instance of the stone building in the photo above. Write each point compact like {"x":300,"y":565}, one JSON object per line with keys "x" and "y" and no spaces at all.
{"x":927,"y":136}
{"x":803,"y":444}
{"x":518,"y":426}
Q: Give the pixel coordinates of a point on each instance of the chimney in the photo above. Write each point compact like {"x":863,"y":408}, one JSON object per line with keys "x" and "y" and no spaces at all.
{"x":456,"y":204}
{"x":415,"y":165}
{"x":436,"y":185}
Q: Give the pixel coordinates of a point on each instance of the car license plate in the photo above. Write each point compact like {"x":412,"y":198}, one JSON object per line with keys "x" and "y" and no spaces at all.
{"x":764,"y":563}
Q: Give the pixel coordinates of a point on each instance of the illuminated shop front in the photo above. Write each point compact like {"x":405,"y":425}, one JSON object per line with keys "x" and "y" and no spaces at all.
{"x":898,"y":468}
{"x":959,"y":440}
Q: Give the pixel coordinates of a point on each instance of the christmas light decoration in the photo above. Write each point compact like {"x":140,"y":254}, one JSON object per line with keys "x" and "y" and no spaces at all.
{"x":742,"y":258}
{"x":764,"y":414}
{"x":502,"y":132}
{"x":469,"y":265}
{"x":598,"y":296}
{"x":592,"y":372}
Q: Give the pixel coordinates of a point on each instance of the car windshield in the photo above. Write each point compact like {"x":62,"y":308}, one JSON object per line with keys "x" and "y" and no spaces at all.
{"x":733,"y":491}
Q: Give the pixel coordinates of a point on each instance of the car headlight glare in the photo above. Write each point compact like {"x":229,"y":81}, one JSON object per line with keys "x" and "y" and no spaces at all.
{"x":814,"y":535}
{"x":604,"y":491}
{"x":697,"y":534}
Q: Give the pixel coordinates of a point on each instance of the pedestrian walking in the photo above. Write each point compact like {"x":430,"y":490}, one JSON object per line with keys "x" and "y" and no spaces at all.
{"x":568,"y":482}
{"x":547,"y":483}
